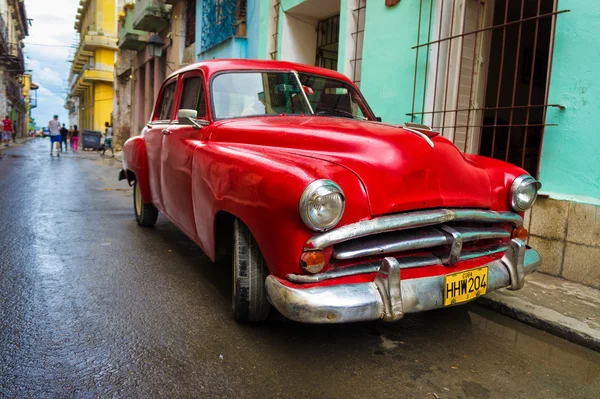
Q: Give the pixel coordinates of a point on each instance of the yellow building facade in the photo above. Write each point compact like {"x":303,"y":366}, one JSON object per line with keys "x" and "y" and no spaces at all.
{"x":92,"y":71}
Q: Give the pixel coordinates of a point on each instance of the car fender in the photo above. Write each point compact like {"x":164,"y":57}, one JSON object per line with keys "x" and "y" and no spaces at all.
{"x":135,"y":160}
{"x":262,"y":187}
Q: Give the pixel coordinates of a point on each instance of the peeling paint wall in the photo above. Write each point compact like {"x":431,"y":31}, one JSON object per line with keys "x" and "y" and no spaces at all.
{"x":570,"y":163}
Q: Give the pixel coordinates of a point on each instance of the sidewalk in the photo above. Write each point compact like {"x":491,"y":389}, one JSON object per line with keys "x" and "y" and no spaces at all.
{"x":557,"y":306}
{"x":16,"y":143}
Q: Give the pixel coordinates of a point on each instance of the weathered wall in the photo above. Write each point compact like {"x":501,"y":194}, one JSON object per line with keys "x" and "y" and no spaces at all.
{"x":388,"y":65}
{"x":570,"y":165}
{"x":567,"y":235}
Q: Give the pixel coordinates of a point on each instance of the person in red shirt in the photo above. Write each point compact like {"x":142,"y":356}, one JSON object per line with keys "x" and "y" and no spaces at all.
{"x":7,"y":135}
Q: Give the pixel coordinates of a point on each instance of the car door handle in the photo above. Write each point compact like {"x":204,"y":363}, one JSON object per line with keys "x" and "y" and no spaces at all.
{"x":166,"y":132}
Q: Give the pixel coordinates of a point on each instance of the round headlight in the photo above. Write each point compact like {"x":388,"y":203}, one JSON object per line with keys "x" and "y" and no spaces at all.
{"x":322,"y":205}
{"x":523,"y":193}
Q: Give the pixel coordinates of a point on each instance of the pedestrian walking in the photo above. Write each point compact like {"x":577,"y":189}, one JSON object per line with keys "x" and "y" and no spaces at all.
{"x":64,"y":136}
{"x":108,"y":139}
{"x":55,"y":137}
{"x":7,"y":128}
{"x":75,"y":138}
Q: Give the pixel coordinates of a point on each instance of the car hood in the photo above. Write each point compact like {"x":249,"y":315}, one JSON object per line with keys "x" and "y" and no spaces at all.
{"x":398,"y":169}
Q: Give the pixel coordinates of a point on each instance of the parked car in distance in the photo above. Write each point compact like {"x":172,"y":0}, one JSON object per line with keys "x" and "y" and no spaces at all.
{"x":284,"y":172}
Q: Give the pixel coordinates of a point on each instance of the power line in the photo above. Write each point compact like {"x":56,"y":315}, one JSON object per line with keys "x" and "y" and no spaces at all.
{"x":46,"y":45}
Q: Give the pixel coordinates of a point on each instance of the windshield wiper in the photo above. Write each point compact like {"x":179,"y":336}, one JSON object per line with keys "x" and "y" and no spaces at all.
{"x":321,"y":111}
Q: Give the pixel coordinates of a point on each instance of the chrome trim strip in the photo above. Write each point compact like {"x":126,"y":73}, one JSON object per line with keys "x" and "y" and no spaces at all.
{"x":466,"y":255}
{"x":427,"y":237}
{"x":388,"y":297}
{"x":405,"y":263}
{"x":407,"y":221}
{"x":421,"y":126}
{"x":400,"y":241}
{"x":421,"y":135}
{"x":348,"y":271}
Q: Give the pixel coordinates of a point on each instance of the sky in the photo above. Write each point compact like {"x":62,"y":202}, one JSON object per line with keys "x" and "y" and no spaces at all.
{"x":47,"y":53}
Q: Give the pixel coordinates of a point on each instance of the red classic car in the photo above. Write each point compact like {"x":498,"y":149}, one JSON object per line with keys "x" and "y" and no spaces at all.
{"x":323,"y":211}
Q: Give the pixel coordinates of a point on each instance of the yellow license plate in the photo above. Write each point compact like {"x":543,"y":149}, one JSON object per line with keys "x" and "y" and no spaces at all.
{"x":464,"y":286}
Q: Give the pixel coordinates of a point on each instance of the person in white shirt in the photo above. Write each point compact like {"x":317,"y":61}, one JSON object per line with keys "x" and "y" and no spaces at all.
{"x":108,"y":139}
{"x":54,"y":127}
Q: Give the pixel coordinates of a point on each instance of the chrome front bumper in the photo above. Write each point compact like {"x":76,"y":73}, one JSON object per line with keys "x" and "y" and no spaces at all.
{"x":388,"y":297}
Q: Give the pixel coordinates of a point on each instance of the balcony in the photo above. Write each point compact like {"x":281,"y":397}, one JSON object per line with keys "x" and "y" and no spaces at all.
{"x":129,"y":38}
{"x":13,"y":58}
{"x":89,"y":42}
{"x":88,"y":76}
{"x":33,"y":96}
{"x":151,"y":15}
{"x":13,"y":91}
{"x":3,"y":35}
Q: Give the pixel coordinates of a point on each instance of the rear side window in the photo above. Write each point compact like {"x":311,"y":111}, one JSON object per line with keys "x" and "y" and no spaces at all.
{"x":166,"y":103}
{"x":193,"y":97}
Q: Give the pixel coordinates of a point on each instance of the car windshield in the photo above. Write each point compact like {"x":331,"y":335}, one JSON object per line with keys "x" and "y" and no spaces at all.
{"x":240,"y":94}
{"x":257,"y":93}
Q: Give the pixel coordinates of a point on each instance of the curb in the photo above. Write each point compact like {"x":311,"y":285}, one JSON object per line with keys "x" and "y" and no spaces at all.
{"x":552,"y":322}
{"x":25,"y":140}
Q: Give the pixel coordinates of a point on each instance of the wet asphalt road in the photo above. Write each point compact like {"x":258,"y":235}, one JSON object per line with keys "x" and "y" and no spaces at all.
{"x":91,"y":305}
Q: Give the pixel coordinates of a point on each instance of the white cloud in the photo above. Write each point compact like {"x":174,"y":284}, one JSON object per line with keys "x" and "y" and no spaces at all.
{"x":52,"y":26}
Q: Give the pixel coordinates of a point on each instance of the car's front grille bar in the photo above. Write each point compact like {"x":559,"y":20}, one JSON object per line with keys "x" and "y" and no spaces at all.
{"x":408,"y":240}
{"x":406,"y":221}
{"x":408,"y":262}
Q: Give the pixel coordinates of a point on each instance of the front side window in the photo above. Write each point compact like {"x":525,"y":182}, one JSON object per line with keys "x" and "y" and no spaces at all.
{"x":192,"y":96}
{"x":330,"y":97}
{"x":257,"y":93}
{"x":166,"y":103}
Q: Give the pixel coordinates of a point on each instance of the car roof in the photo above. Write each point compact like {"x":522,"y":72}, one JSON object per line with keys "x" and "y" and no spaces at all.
{"x":212,"y":67}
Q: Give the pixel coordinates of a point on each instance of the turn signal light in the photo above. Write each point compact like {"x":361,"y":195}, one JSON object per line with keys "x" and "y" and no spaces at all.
{"x":521,"y":233}
{"x":313,"y":261}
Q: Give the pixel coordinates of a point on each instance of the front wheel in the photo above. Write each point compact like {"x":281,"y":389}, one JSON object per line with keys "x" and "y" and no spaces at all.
{"x":249,"y":297}
{"x":145,"y":214}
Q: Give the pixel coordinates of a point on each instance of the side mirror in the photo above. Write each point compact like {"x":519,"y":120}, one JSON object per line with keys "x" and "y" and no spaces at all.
{"x":188,"y":117}
{"x":378,"y":119}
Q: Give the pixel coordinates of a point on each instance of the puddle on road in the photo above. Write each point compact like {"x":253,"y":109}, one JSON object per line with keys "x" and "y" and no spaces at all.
{"x":577,"y":364}
{"x":11,"y":155}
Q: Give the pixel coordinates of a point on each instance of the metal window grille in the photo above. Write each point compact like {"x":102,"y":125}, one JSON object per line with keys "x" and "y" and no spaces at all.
{"x":359,"y":14}
{"x":275,"y":36}
{"x":483,"y":80}
{"x":190,"y":23}
{"x":222,"y":19}
{"x":328,"y":37}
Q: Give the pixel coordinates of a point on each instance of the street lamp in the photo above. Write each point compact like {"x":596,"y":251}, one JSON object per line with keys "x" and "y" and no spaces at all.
{"x":155,"y":46}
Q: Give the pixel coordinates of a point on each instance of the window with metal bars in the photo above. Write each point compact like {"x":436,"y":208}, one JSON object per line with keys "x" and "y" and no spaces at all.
{"x":328,"y":38}
{"x":222,"y":19}
{"x":482,"y":72}
{"x":190,"y":23}
{"x":359,"y":15}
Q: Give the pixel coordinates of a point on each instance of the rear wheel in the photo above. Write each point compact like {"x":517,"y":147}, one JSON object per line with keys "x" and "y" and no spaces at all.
{"x":249,"y":297}
{"x":145,"y":214}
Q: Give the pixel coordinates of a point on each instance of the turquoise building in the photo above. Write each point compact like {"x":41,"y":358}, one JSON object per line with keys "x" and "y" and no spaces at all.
{"x":511,"y":79}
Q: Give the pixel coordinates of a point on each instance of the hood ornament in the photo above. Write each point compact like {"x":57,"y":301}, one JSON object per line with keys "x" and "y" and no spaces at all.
{"x":416,"y":129}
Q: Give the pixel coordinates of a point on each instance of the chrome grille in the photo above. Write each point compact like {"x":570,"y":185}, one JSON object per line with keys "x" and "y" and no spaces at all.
{"x":414,"y":239}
